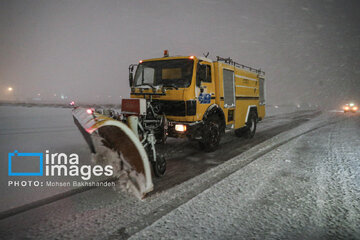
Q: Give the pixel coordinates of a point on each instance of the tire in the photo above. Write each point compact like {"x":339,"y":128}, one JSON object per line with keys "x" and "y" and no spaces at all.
{"x":159,"y":166}
{"x":211,"y":135}
{"x":250,"y":130}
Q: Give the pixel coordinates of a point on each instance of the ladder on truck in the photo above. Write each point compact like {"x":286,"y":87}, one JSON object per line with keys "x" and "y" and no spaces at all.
{"x":239,"y":65}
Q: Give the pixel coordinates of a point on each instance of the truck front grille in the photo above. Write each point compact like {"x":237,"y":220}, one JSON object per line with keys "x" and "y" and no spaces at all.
{"x":175,"y":108}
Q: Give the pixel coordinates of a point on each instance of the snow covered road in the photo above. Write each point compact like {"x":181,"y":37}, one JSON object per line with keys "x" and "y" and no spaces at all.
{"x":263,"y":179}
{"x":308,"y":188}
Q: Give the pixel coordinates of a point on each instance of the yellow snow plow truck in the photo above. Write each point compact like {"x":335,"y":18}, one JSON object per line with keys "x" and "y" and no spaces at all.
{"x":180,"y":96}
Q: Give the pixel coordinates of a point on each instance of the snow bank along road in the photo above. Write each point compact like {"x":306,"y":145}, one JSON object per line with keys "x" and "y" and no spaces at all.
{"x":101,"y":213}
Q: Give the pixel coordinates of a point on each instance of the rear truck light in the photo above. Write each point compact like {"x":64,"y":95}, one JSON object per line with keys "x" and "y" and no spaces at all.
{"x":89,"y":111}
{"x":346,"y":108}
{"x":180,"y":128}
{"x":355,"y":108}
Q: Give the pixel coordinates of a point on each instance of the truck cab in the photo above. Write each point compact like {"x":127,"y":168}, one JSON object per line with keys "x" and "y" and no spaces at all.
{"x":200,"y":97}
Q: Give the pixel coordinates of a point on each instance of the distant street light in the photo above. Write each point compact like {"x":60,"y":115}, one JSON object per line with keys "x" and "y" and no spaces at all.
{"x":11,"y":93}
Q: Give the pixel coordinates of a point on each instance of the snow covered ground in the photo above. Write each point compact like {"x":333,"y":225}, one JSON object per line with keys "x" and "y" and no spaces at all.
{"x":302,"y":183}
{"x":308,"y":188}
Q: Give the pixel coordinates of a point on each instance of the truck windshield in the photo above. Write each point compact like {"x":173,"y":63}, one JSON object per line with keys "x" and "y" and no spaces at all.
{"x":167,"y":73}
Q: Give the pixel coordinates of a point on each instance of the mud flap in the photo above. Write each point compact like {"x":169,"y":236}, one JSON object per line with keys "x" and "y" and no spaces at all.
{"x":113,"y":142}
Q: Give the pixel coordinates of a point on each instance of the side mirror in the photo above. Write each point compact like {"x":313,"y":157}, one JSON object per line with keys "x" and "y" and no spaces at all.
{"x":131,"y":79}
{"x":131,"y":76}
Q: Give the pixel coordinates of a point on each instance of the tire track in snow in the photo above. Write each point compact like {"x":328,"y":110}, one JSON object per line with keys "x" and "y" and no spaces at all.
{"x":337,"y":214}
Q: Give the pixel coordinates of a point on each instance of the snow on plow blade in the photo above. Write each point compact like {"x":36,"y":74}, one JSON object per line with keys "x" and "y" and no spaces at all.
{"x":113,"y":142}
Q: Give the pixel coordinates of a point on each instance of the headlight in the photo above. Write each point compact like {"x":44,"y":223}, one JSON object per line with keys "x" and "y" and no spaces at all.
{"x":180,"y":128}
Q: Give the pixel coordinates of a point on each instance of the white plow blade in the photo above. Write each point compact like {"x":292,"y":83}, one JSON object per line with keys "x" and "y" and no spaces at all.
{"x":113,"y":142}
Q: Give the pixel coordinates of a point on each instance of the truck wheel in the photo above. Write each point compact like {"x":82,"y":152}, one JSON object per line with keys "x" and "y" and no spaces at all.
{"x":159,"y":166}
{"x":210,"y":135}
{"x":250,"y":126}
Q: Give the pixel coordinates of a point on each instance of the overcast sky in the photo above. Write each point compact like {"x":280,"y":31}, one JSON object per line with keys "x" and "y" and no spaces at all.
{"x":310,"y":50}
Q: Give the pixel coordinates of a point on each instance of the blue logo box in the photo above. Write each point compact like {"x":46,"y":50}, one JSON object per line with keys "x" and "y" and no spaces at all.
{"x":16,"y":153}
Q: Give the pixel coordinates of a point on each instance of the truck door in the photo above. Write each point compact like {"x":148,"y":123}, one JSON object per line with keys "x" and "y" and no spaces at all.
{"x":206,"y":85}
